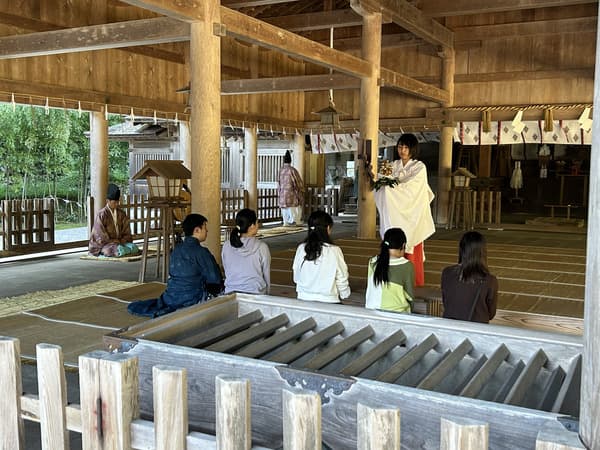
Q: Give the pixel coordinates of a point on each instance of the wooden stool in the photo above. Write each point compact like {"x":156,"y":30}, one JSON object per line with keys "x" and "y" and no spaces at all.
{"x":461,"y":208}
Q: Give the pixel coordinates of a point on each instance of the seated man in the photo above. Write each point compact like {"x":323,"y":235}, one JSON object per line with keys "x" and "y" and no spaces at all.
{"x":194,"y":275}
{"x":111,"y":234}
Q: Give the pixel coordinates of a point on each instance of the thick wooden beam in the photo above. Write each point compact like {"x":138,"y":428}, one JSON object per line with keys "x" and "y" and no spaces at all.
{"x":500,"y":31}
{"x":185,"y":10}
{"x":524,"y":75}
{"x":246,"y":28}
{"x":60,"y":96}
{"x":395,"y":80}
{"x":444,"y":8}
{"x":412,"y":19}
{"x":289,"y":84}
{"x":387,"y":41}
{"x":317,"y":21}
{"x":36,"y":25}
{"x":95,"y":37}
{"x":237,"y":4}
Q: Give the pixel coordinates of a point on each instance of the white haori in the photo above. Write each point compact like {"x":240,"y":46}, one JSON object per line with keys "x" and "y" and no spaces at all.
{"x":406,"y":205}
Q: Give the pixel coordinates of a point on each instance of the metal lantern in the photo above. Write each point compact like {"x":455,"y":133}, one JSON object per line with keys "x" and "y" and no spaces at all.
{"x":165,"y":179}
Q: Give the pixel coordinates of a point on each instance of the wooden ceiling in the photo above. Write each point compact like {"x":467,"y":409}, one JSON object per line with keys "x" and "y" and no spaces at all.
{"x":133,"y":54}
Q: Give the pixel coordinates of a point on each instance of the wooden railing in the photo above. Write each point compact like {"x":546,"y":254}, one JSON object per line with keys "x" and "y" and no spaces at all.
{"x":107,"y":415}
{"x":486,"y":207}
{"x":27,"y":225}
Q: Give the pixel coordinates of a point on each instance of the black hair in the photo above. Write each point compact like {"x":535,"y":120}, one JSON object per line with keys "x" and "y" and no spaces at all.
{"x":287,"y":158}
{"x":394,"y":238}
{"x":244,"y":219}
{"x":411,"y":141}
{"x":318,"y":222}
{"x":472,"y":256}
{"x":192,"y":221}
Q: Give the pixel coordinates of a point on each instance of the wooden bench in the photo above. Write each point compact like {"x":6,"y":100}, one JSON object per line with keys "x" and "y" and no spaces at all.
{"x":567,"y":207}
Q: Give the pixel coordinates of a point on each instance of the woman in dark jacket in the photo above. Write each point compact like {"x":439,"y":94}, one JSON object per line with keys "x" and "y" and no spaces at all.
{"x":469,"y":290}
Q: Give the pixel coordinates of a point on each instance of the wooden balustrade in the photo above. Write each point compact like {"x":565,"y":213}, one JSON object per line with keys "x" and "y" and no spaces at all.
{"x":108,"y":413}
{"x":27,"y":225}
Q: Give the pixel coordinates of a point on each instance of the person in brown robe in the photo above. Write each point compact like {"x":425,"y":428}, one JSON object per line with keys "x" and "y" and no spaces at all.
{"x":111,"y":233}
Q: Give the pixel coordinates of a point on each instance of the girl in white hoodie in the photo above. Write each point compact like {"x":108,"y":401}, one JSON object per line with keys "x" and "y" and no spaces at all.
{"x":246,"y":259}
{"x":320,"y":272}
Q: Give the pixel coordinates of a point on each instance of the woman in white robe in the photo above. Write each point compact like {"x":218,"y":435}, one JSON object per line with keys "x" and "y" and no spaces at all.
{"x":406,"y":205}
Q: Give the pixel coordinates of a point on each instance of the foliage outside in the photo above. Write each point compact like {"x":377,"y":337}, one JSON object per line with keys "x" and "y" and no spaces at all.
{"x":45,"y":153}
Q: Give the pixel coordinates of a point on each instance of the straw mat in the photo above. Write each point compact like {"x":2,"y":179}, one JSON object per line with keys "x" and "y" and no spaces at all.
{"x":41,"y":299}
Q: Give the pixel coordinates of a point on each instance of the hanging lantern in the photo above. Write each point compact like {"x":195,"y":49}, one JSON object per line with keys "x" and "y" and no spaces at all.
{"x":165,"y":179}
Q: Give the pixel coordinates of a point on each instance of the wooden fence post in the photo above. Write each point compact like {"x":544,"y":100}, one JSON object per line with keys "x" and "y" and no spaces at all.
{"x":233,"y":413}
{"x":52,"y":388}
{"x":463,"y":434}
{"x":11,"y":424}
{"x":301,"y":420}
{"x":108,"y":385}
{"x":170,"y":407}
{"x":377,"y":429}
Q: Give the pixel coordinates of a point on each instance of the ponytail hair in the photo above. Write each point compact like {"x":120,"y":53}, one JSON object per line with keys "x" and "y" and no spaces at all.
{"x":318,"y":223}
{"x":394,"y":238}
{"x":244,"y":219}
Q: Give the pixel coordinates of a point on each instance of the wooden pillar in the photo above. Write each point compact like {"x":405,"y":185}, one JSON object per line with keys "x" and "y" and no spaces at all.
{"x":251,"y":147}
{"x":369,"y":121}
{"x":589,"y":427}
{"x":98,"y":160}
{"x":233,"y":416}
{"x":185,"y":144}
{"x":205,"y":101}
{"x":298,"y":153}
{"x":445,"y":154}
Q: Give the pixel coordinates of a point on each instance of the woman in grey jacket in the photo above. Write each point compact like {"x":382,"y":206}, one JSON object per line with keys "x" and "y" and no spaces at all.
{"x":246,"y":259}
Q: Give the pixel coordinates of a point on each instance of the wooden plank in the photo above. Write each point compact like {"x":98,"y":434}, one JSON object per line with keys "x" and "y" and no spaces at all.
{"x":509,"y":382}
{"x":169,"y":386}
{"x":90,"y":400}
{"x":221,"y":330}
{"x":95,"y":37}
{"x":409,"y":359}
{"x":253,"y":3}
{"x":233,"y":413}
{"x":257,"y":349}
{"x":551,"y":390}
{"x":524,"y":29}
{"x":11,"y":423}
{"x":555,"y":436}
{"x":482,"y":376}
{"x":491,"y":77}
{"x":472,"y":372}
{"x":519,"y":390}
{"x":443,"y":8}
{"x":52,"y":388}
{"x":412,"y":19}
{"x":238,"y":340}
{"x":364,"y":361}
{"x":301,"y":420}
{"x":567,"y":399}
{"x":288,"y":355}
{"x":458,"y":433}
{"x":333,"y":352}
{"x":377,"y":428}
{"x":433,"y":378}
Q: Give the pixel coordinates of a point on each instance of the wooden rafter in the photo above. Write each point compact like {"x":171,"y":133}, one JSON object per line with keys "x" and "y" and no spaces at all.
{"x":317,"y":21}
{"x":246,"y":28}
{"x":412,"y":19}
{"x":95,"y":37}
{"x":41,"y":26}
{"x":445,"y":8}
{"x":289,"y":84}
{"x":185,"y":10}
{"x":237,"y":4}
{"x":499,"y":31}
{"x":408,"y":85}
